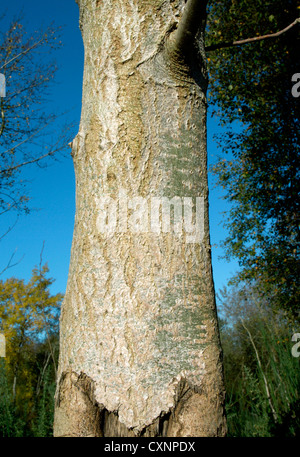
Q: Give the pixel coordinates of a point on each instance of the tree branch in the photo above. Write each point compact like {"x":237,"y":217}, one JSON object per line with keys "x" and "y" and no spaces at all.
{"x":9,"y":230}
{"x":52,"y":351}
{"x":22,"y":53}
{"x":10,"y":264}
{"x":275,"y":417}
{"x":222,"y":45}
{"x":193,"y":15}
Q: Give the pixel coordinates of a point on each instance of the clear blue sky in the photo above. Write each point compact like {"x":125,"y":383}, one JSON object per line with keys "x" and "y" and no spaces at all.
{"x":52,"y":189}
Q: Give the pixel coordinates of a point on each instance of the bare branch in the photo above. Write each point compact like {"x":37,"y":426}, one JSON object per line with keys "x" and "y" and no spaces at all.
{"x":275,"y":417}
{"x":58,"y":147}
{"x":222,"y":45}
{"x":10,"y":264}
{"x":9,"y":229}
{"x":2,"y":117}
{"x":41,"y":258}
{"x":25,"y":128}
{"x":22,"y":53}
{"x":22,"y":142}
{"x":193,"y":15}
{"x":28,"y":162}
{"x":9,"y":206}
{"x":52,"y":351}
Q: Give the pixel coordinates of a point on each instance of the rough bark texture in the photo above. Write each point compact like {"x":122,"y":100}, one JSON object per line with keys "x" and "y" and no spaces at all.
{"x":139,"y":342}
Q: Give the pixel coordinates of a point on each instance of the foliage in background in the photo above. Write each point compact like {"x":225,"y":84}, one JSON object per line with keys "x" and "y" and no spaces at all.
{"x":29,"y":320}
{"x":262,"y":377}
{"x":251,"y":84}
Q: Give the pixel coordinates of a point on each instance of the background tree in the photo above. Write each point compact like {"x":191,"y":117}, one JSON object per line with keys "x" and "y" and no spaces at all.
{"x":251,"y":85}
{"x":261,"y":375}
{"x":28,"y":130}
{"x":29,"y":320}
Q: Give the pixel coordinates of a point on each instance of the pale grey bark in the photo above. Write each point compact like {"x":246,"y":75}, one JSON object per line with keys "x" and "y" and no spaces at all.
{"x":139,"y":343}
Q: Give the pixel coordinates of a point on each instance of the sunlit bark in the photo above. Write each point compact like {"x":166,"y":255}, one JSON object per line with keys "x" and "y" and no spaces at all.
{"x":139,"y":348}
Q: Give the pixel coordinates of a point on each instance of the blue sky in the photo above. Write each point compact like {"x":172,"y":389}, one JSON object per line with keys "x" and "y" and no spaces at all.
{"x":52,"y":189}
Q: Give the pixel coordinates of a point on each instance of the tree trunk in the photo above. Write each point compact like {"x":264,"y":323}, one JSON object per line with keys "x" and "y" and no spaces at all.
{"x":139,"y":343}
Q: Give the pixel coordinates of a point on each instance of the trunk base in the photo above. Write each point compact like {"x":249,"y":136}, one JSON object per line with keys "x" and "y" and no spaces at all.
{"x":77,"y":414}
